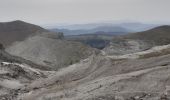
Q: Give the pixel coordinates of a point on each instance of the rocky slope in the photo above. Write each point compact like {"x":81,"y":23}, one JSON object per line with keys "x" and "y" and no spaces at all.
{"x":98,"y":77}
{"x":16,"y":72}
{"x":55,"y":53}
{"x":135,"y":70}
{"x":156,"y":36}
{"x":135,"y":42}
{"x":106,"y":78}
{"x":17,"y":31}
{"x":41,"y":46}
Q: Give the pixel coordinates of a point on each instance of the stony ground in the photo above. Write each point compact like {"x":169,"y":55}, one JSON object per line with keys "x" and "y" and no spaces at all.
{"x":99,"y":77}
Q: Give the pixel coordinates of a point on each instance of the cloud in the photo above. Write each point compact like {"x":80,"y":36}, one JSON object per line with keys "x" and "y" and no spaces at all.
{"x":48,"y":11}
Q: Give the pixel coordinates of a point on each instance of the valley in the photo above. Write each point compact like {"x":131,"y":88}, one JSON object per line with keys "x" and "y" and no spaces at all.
{"x":45,"y":65}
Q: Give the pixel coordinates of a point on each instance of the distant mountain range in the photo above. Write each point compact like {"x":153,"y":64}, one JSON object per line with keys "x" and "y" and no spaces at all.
{"x":101,"y":29}
{"x":105,"y":28}
{"x":155,"y":36}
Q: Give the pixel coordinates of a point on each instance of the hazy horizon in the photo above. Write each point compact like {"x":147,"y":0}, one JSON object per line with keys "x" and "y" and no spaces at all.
{"x":85,"y":11}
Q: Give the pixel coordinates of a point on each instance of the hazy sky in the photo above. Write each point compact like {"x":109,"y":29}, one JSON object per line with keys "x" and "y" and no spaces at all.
{"x":82,"y":11}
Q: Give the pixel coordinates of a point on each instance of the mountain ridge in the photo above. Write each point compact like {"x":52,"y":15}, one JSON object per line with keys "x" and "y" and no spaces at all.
{"x":135,"y":42}
{"x":114,"y":30}
{"x":17,"y":31}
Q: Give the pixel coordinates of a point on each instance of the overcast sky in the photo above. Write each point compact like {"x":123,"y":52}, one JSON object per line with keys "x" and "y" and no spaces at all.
{"x":84,"y":11}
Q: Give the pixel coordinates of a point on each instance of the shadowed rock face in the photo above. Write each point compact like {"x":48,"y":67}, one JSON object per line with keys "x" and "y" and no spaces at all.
{"x":98,"y":40}
{"x":17,"y":31}
{"x":1,"y":47}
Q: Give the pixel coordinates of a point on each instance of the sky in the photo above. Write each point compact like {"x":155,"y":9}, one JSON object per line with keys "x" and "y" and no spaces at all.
{"x":84,"y":11}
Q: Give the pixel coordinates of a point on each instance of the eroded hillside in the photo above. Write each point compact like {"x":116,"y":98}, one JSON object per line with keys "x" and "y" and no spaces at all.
{"x":57,"y":69}
{"x":55,"y":53}
{"x":106,"y":78}
{"x":135,"y":42}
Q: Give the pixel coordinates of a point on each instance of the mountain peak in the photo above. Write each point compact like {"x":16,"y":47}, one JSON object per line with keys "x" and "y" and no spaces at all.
{"x":17,"y":31}
{"x":14,"y":21}
{"x":18,"y":21}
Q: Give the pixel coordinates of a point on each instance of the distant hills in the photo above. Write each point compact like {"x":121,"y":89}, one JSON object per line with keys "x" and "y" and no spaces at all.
{"x":112,"y":30}
{"x":135,"y":26}
{"x":17,"y":31}
{"x":152,"y":37}
{"x":106,"y":28}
